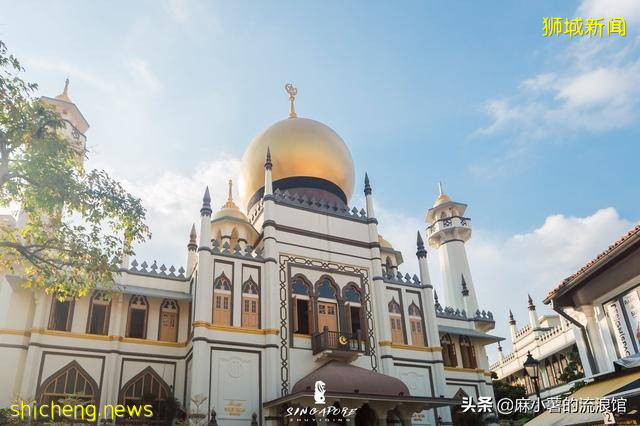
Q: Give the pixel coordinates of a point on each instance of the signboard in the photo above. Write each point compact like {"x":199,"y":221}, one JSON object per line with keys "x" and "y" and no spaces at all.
{"x":631,"y":302}
{"x":620,"y":330}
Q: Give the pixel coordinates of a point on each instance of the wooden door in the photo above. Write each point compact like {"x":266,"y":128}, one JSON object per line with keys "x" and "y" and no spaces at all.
{"x":417,"y":335}
{"x":222,"y":308}
{"x":396,"y":329}
{"x":168,"y":327}
{"x":250,"y":312}
{"x":327,"y":316}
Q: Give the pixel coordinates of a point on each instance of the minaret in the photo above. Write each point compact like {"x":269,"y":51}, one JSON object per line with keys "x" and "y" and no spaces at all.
{"x":500,"y":354}
{"x":512,"y":327}
{"x":431,"y":322}
{"x":192,"y":257}
{"x":75,"y":124}
{"x":367,"y":196}
{"x":448,"y":230}
{"x":533,"y":316}
{"x":203,"y":297}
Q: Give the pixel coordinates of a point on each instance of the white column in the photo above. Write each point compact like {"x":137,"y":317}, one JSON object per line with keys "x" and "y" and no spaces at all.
{"x":594,"y":337}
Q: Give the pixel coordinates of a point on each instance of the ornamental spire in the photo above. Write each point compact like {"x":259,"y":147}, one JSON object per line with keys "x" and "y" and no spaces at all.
{"x":192,"y":238}
{"x":230,"y":204}
{"x":206,"y":204}
{"x":267,"y":161}
{"x":64,"y":96}
{"x":512,"y":321}
{"x":465,"y":289}
{"x":367,"y":185}
{"x":532,"y":307}
{"x":421,"y":252}
{"x":292,"y":91}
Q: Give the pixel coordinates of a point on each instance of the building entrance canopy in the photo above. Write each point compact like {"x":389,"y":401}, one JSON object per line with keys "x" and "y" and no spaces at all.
{"x":372,"y":396}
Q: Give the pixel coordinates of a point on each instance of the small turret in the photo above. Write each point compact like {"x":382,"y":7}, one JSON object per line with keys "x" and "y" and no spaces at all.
{"x":533,"y":316}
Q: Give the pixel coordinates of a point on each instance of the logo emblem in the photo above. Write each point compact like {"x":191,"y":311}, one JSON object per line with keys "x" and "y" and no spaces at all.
{"x":320,"y":389}
{"x":342,"y":340}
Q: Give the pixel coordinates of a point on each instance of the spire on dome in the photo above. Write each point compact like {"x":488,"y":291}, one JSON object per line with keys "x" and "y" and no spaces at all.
{"x":442,"y":197}
{"x":206,"y":203}
{"x":230,"y":203}
{"x":367,"y":185}
{"x":64,"y":96}
{"x":512,"y":321}
{"x":292,"y":91}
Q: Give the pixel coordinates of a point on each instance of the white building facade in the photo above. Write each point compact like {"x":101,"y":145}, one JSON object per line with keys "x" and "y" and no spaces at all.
{"x":293,"y":287}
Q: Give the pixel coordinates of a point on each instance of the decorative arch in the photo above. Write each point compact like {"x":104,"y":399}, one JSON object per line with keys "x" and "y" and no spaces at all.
{"x":250,"y":304}
{"x":222,"y":300}
{"x":468,"y":353}
{"x":137,"y":317}
{"x":301,"y":285}
{"x":397,"y":324}
{"x":169,"y":320}
{"x":351,"y":293}
{"x":416,"y":323}
{"x":327,"y":312}
{"x":449,"y":356}
{"x":301,"y":305}
{"x":70,"y":379}
{"x":61,"y":314}
{"x":144,"y":385}
{"x":222,"y":282}
{"x":99,"y":313}
{"x":325,"y":284}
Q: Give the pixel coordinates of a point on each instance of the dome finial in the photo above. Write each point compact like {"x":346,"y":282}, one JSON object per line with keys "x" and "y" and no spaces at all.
{"x":230,"y":203}
{"x":64,"y":96}
{"x":292,"y":91}
{"x":440,"y":191}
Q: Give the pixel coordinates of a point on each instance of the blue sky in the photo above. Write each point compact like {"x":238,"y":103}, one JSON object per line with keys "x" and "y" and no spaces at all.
{"x":538,"y":135}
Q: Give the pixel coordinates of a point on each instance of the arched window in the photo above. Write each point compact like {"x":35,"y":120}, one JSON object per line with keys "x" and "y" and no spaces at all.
{"x":99,"y":310}
{"x":61,"y":314}
{"x":250,"y":304}
{"x":169,"y":314}
{"x":468,"y":353}
{"x":395,"y":317}
{"x":222,"y":301}
{"x":301,"y":305}
{"x":353,"y":310}
{"x":147,"y":387}
{"x":327,"y":310}
{"x":137,"y":320}
{"x":449,"y":356}
{"x":415,"y":322}
{"x":71,"y":379}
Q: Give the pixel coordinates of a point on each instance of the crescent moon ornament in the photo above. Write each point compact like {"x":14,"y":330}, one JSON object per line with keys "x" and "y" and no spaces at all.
{"x":292,"y":91}
{"x":342,"y":340}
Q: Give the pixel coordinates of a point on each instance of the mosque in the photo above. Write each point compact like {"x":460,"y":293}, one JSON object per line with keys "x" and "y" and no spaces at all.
{"x":289,"y":303}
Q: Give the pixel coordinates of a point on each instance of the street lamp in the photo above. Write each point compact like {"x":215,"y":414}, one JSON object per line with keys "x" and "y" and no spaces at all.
{"x":532,"y":367}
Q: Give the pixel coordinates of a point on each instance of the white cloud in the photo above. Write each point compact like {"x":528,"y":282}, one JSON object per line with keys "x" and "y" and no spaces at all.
{"x":178,"y":10}
{"x":590,"y":86}
{"x":626,"y":9}
{"x":514,"y":265}
{"x":173,"y":202}
{"x":142,"y":73}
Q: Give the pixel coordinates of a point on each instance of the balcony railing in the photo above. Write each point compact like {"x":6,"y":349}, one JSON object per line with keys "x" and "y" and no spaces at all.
{"x":336,"y":341}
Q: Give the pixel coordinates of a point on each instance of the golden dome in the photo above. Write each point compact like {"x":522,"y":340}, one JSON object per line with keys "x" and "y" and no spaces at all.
{"x":300,"y":147}
{"x":384,"y":243}
{"x":230,"y":209}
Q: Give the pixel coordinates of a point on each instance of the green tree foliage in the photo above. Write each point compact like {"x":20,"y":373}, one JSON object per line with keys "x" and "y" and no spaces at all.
{"x":76,"y":220}
{"x":502,"y":389}
{"x":573,"y":370}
